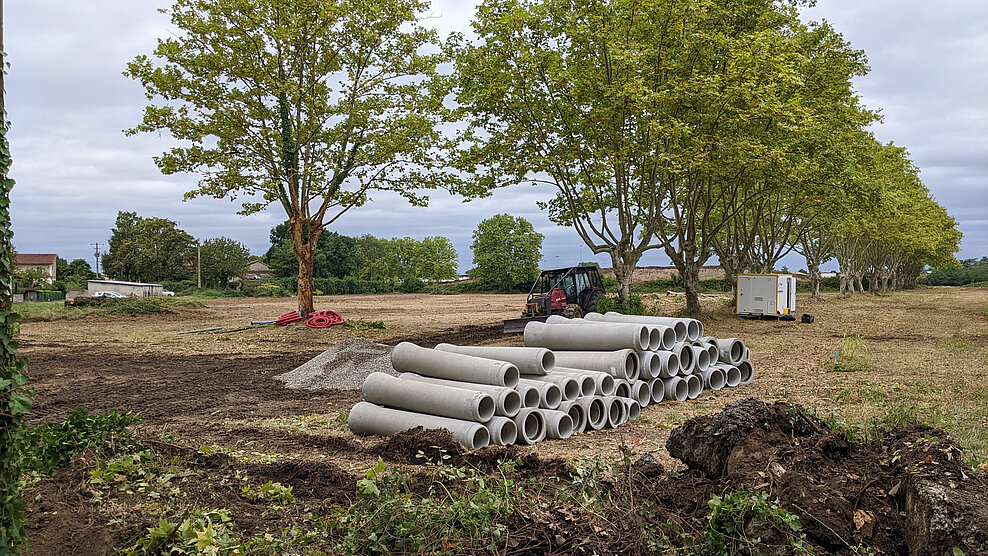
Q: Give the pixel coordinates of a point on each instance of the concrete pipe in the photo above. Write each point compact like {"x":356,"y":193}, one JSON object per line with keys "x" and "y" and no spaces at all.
{"x":709,"y":340}
{"x":713,"y":353}
{"x":576,"y":413}
{"x":606,"y":336}
{"x":747,"y":371}
{"x":714,"y":378}
{"x":507,"y":401}
{"x":587,"y":382}
{"x":658,"y":389}
{"x":570,"y":387}
{"x":669,"y":364}
{"x":622,"y":388}
{"x":747,"y":354}
{"x":701,"y":359}
{"x":603,"y":383}
{"x":694,"y":386}
{"x":367,"y":418}
{"x":530,"y":361}
{"x":649,"y":365}
{"x":685,"y":353}
{"x":732,"y":374}
{"x":435,"y":399}
{"x":622,"y":363}
{"x":641,"y":392}
{"x":617,"y":412}
{"x":550,"y":395}
{"x":730,"y":350}
{"x":634,"y":409}
{"x":676,"y":389}
{"x":558,"y":424}
{"x":655,"y":336}
{"x":530,"y":424}
{"x":503,"y":431}
{"x":410,"y":358}
{"x":595,"y":411}
{"x":679,"y":328}
{"x":530,"y":396}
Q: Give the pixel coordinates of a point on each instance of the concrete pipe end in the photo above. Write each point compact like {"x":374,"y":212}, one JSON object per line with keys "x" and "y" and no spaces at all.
{"x":511,"y":403}
{"x":532,"y":397}
{"x":480,"y":437}
{"x":634,"y":410}
{"x":578,"y":416}
{"x":552,"y":396}
{"x":644,"y":339}
{"x":607,"y":385}
{"x":548,"y":361}
{"x":693,"y":329}
{"x":654,"y":339}
{"x":623,"y":389}
{"x":717,"y":379}
{"x":737,"y":352}
{"x":733,"y":376}
{"x":571,"y":389}
{"x":631,"y":365}
{"x":702,"y":359}
{"x":511,"y":375}
{"x":746,"y":371}
{"x":485,"y":408}
{"x":658,"y":390}
{"x":694,"y":386}
{"x":595,"y":411}
{"x":508,"y":433}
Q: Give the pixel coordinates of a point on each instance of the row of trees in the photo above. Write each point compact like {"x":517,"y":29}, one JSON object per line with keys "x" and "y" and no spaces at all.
{"x":367,"y":257}
{"x":156,"y":249}
{"x":698,"y":127}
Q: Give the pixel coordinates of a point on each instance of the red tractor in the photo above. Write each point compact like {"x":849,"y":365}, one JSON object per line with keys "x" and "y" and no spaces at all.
{"x":571,"y":292}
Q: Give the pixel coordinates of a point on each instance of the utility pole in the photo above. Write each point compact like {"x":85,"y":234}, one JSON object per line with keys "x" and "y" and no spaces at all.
{"x":96,"y":245}
{"x":198,"y":261}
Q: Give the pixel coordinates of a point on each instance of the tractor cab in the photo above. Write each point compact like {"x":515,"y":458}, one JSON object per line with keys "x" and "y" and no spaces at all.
{"x":571,"y":292}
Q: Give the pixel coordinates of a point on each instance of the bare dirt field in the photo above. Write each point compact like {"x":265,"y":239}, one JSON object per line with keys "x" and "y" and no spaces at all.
{"x":924,"y":355}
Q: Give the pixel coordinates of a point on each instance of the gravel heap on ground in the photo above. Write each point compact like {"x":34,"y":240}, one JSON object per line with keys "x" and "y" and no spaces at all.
{"x":343,"y":366}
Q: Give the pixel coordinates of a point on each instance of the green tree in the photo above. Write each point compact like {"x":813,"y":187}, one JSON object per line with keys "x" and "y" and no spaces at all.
{"x":149,"y":249}
{"x":33,"y":278}
{"x":78,"y":270}
{"x":506,"y":252}
{"x":310,"y":104}
{"x":336,"y":256}
{"x":221,"y":259}
{"x":436,"y":259}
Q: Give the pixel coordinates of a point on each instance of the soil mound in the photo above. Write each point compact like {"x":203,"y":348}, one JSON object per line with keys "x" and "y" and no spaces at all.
{"x":908,"y":492}
{"x":341,"y":367}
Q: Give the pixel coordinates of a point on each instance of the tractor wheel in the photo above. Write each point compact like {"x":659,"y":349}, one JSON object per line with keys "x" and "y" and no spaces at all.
{"x":572,"y":311}
{"x":592,"y":303}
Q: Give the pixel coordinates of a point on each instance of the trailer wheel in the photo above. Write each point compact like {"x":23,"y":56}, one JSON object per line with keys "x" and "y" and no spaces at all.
{"x":572,"y":311}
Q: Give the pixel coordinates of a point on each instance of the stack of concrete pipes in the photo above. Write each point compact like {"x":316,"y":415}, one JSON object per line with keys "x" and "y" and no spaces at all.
{"x":574,"y":375}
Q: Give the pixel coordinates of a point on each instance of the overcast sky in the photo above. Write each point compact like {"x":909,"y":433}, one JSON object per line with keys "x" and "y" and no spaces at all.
{"x":68,"y":102}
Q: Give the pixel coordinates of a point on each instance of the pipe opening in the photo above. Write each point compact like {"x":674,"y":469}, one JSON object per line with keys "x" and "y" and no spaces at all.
{"x":686,"y":360}
{"x":614,"y":413}
{"x":576,"y":415}
{"x":531,"y":426}
{"x":668,"y":338}
{"x":654,"y":339}
{"x":508,"y":432}
{"x":733,"y":376}
{"x":571,"y":389}
{"x":737,"y":351}
{"x":643,"y":394}
{"x":682,"y":391}
{"x":658,"y":391}
{"x":631,"y":365}
{"x":717,"y":379}
{"x":681,"y":331}
{"x":587,"y":386}
{"x":644,"y":337}
{"x":693,"y":330}
{"x":511,"y":402}
{"x":595,"y":411}
{"x":532,"y":397}
{"x":511,"y":376}
{"x":481,"y":438}
{"x":548,"y":361}
{"x":654,"y":367}
{"x":694,"y":386}
{"x":565,"y":426}
{"x":747,"y":371}
{"x":623,"y":390}
{"x":702,"y":359}
{"x":634,"y":410}
{"x":553,"y":396}
{"x":485,"y":409}
{"x":607,"y":385}
{"x":713,"y":353}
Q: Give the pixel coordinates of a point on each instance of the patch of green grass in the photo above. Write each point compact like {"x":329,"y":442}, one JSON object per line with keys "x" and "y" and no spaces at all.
{"x":849,"y":357}
{"x":364,"y":324}
{"x":57,"y":310}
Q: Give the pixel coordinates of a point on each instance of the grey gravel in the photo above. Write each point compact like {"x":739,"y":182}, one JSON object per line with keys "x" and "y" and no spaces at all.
{"x":343,"y":367}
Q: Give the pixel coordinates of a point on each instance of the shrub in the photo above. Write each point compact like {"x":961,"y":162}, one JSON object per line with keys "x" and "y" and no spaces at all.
{"x":733,"y":525}
{"x":635,"y":305}
{"x":411,"y":285}
{"x":47,"y":448}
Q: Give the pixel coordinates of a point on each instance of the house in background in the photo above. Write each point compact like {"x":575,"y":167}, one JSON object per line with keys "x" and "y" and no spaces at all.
{"x":258,"y":270}
{"x":39,"y":261}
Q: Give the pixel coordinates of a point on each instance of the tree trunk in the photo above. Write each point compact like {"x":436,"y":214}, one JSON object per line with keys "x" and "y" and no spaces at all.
{"x":303,"y":245}
{"x":859,"y":278}
{"x":624,"y":268}
{"x":814,"y":278}
{"x":691,"y":279}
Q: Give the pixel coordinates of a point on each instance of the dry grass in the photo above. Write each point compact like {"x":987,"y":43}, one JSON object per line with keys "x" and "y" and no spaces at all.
{"x":926,"y":354}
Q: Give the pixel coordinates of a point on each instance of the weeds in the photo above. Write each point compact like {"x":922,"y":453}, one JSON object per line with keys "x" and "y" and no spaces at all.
{"x":737,"y":523}
{"x":364,"y":324}
{"x":848,"y":357}
{"x":47,"y":448}
{"x":57,"y":310}
{"x":269,"y":491}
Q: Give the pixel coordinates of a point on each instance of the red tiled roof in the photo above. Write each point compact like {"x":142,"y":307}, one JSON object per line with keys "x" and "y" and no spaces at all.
{"x":35,"y":258}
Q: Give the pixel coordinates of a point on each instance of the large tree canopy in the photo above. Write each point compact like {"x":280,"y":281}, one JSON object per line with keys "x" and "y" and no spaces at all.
{"x":311,"y":105}
{"x":506,"y":252}
{"x":148,"y":250}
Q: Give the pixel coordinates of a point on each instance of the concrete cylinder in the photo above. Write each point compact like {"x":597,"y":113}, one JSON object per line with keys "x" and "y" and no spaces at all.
{"x":641,"y":392}
{"x":507,"y":401}
{"x":713,"y":354}
{"x":582,"y":336}
{"x":668,"y":364}
{"x":530,"y":361}
{"x":694,"y":386}
{"x":616,"y":411}
{"x":747,"y":371}
{"x":676,"y":389}
{"x":595,"y":411}
{"x":649,"y":365}
{"x":503,"y":431}
{"x":558,"y":424}
{"x":576,"y":413}
{"x":410,"y":358}
{"x":658,"y":389}
{"x":550,"y":395}
{"x":730,"y":350}
{"x":622,"y":363}
{"x":603,"y":383}
{"x":435,"y":399}
{"x":709,"y":340}
{"x":714,"y":378}
{"x":732,"y":374}
{"x":634,"y":409}
{"x":747,"y":354}
{"x":685,"y":353}
{"x":622,"y":388}
{"x":530,"y":396}
{"x":570,"y":387}
{"x":701,"y":359}
{"x":367,"y":418}
{"x":530,"y":424}
{"x":679,"y":326}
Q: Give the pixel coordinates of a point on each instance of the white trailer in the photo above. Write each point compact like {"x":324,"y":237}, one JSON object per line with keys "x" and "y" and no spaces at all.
{"x":766,"y":295}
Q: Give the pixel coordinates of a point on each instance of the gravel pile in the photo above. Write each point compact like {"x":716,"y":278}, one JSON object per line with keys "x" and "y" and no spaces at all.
{"x":341,"y":367}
